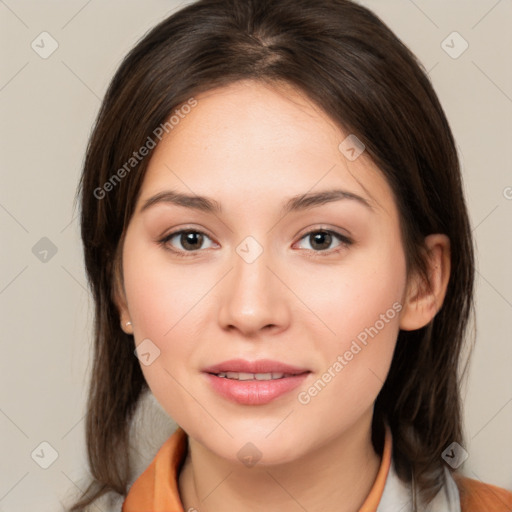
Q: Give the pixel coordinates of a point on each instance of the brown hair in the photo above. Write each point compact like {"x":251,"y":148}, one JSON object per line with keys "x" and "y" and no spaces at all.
{"x":347,"y":61}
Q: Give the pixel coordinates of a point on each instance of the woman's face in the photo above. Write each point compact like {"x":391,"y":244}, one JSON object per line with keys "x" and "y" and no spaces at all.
{"x":265,"y":273}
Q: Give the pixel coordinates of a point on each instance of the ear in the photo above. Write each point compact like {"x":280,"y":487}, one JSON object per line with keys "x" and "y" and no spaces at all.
{"x":423,"y":299}
{"x":119,"y":298}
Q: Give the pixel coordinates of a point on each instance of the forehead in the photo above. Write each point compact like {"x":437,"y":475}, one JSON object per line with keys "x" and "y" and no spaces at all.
{"x":254,"y":116}
{"x":253,"y":138}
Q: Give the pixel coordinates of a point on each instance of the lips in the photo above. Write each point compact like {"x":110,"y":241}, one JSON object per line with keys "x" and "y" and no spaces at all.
{"x":254,"y":382}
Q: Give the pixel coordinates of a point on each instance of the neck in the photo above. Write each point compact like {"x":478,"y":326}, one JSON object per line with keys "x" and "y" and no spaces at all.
{"x":337,"y":477}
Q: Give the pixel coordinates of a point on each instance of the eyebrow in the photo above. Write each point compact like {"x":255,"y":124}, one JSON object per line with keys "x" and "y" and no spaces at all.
{"x":295,"y":203}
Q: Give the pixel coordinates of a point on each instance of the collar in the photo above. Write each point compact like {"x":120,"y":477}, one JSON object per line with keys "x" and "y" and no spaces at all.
{"x":157,"y":487}
{"x":397,"y":496}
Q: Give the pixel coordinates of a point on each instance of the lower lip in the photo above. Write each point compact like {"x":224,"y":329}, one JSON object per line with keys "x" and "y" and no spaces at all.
{"x":254,"y":392}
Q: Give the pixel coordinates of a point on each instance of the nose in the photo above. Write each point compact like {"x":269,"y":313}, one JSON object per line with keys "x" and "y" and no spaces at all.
{"x":253,"y":296}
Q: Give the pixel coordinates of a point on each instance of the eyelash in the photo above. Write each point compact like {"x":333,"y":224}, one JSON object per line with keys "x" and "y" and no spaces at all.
{"x":345,"y":242}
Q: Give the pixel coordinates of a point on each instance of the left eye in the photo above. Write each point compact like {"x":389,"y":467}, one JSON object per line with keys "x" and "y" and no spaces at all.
{"x":322,"y":239}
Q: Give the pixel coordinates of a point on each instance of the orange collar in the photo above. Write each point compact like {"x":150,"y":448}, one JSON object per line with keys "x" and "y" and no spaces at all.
{"x":156,"y":489}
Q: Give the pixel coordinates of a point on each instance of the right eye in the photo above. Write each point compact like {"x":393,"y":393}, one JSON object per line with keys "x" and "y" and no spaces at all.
{"x":190,"y":239}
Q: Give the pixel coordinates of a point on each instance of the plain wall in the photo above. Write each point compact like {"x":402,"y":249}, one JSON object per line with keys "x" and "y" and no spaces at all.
{"x":47,"y":109}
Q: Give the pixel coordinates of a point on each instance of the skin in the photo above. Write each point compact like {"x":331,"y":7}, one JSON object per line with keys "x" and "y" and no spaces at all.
{"x":250,"y":147}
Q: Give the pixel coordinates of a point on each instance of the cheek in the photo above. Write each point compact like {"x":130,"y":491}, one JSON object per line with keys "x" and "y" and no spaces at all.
{"x":361,"y":308}
{"x":349,"y":298}
{"x":164,"y":304}
{"x":161,"y":295}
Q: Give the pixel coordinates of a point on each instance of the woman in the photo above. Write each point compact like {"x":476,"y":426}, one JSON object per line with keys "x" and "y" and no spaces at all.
{"x":273,"y":218}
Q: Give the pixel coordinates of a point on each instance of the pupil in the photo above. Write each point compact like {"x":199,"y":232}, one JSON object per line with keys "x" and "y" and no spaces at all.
{"x":189,"y":237}
{"x":318,"y":237}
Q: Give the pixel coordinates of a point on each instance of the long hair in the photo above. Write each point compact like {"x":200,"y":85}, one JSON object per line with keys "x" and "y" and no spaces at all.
{"x":346,"y":60}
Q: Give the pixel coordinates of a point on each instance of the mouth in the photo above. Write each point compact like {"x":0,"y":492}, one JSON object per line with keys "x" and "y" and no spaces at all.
{"x":254,"y":382}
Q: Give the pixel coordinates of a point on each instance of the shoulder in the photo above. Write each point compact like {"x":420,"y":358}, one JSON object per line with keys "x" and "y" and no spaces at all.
{"x":476,"y":496}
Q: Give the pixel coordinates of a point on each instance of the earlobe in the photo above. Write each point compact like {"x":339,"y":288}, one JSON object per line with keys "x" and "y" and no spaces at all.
{"x":127,"y":327}
{"x":423,"y":299}
{"x":124,"y":315}
{"x":119,"y":298}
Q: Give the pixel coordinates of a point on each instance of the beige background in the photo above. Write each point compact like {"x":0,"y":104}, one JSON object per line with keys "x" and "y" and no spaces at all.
{"x":47,"y":108}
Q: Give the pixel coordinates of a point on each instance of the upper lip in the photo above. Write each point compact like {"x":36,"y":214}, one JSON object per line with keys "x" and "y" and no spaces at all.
{"x":259,"y":366}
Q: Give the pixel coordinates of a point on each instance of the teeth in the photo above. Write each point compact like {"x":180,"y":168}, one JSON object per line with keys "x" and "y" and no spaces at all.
{"x":239,"y":376}
{"x":252,"y":376}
